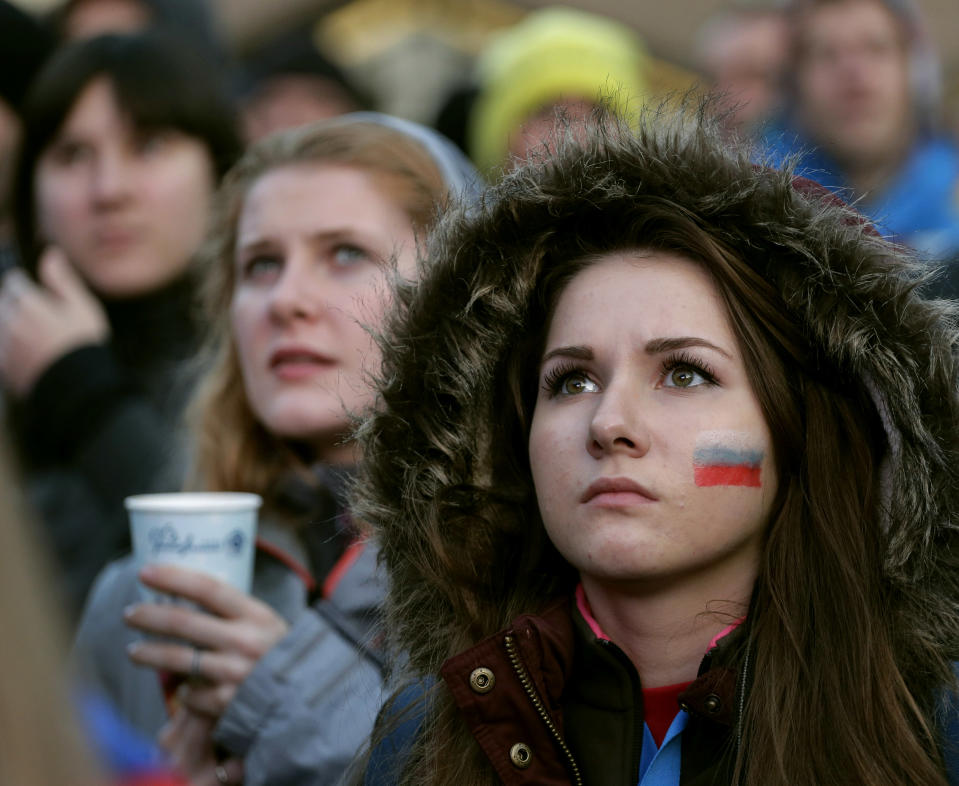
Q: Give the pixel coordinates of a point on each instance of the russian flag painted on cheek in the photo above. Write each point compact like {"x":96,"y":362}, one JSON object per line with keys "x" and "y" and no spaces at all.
{"x":724,"y":466}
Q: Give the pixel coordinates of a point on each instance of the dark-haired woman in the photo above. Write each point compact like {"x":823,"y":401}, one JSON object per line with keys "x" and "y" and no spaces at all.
{"x":677,"y":442}
{"x":125,"y":138}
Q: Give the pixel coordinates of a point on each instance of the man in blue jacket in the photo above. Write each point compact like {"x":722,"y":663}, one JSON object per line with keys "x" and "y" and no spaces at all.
{"x":862,"y":99}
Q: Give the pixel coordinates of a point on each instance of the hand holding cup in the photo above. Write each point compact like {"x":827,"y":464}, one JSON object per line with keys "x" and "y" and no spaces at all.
{"x":218,"y":643}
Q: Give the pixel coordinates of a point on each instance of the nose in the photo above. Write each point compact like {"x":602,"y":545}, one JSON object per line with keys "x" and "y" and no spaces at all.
{"x":111,"y":183}
{"x":296,"y":294}
{"x":855,"y":63}
{"x":619,"y":423}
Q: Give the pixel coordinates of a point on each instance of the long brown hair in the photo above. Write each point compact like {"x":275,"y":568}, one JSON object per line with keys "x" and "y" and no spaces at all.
{"x":853,"y":620}
{"x":233,"y":450}
{"x":807,"y":719}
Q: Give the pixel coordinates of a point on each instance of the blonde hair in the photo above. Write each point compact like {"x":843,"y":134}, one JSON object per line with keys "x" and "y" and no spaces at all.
{"x":232,"y":450}
{"x":40,"y":739}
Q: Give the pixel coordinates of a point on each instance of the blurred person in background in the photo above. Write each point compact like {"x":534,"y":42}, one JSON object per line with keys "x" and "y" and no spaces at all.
{"x":41,"y":741}
{"x":289,"y":82}
{"x":191,"y":21}
{"x":125,"y":138}
{"x":24,"y":46}
{"x":285,"y":684}
{"x":861,"y":110}
{"x":742,"y":51}
{"x":555,"y":60}
{"x":50,"y":735}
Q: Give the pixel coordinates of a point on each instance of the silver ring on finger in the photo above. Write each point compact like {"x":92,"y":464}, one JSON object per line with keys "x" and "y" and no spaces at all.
{"x":195,"y":667}
{"x":221,"y":774}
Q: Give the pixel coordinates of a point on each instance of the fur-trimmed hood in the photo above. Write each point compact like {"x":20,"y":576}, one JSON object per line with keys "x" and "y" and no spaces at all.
{"x":455,"y":519}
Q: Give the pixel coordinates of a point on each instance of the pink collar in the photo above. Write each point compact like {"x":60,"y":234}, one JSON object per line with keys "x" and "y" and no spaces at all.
{"x":582,"y":603}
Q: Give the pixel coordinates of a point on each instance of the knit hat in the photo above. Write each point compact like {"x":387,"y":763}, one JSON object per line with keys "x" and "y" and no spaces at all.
{"x":459,"y":174}
{"x":554,"y":52}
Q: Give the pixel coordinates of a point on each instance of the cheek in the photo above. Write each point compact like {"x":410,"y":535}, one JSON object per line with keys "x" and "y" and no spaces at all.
{"x":188,"y":209}
{"x":818,"y":85}
{"x":358,"y":309}
{"x":729,"y":458}
{"x":551,"y":454}
{"x":897,"y":87}
{"x":58,"y":207}
{"x":406,"y":260}
{"x":368,"y":362}
{"x":243,"y":321}
{"x":179,"y":196}
{"x":197,"y":185}
{"x":538,"y":438}
{"x":733,"y":472}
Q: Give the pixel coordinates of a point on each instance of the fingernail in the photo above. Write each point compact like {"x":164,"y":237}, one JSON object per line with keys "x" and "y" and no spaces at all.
{"x":133,"y":647}
{"x":148,"y":572}
{"x":128,"y":611}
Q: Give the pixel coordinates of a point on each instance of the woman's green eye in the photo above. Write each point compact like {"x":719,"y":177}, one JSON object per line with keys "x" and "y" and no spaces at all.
{"x":684,"y":377}
{"x":577,"y":383}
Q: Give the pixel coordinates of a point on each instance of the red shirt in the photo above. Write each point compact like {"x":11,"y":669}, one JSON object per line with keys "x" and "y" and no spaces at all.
{"x":660,"y":706}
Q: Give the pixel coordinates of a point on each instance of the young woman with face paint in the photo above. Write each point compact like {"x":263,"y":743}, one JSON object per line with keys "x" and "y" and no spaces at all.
{"x":282,"y":685}
{"x":677,"y":442}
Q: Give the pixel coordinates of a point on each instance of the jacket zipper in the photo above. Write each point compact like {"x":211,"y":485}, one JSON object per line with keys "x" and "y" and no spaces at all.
{"x":741,"y":701}
{"x":537,"y":702}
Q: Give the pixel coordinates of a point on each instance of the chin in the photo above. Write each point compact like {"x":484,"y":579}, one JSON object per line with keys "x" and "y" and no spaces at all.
{"x":127,"y":288}
{"x":305,"y":427}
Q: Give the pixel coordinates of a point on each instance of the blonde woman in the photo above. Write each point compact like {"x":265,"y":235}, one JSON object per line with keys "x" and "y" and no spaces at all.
{"x":285,"y":682}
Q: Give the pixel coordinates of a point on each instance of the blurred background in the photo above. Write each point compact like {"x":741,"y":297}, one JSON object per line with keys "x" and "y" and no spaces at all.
{"x":111,"y":148}
{"x":406,"y":53}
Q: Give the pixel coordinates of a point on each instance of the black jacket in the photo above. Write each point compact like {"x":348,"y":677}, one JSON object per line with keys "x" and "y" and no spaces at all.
{"x":102,"y":423}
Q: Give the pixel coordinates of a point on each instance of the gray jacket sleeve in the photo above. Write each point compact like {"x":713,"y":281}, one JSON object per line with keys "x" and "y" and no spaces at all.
{"x":309,"y":705}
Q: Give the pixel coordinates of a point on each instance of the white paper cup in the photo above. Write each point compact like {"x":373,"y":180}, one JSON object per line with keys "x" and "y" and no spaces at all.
{"x":213,"y":532}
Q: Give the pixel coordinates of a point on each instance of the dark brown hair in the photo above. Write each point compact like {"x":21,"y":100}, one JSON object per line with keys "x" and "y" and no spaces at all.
{"x":158,"y":83}
{"x":821,"y":539}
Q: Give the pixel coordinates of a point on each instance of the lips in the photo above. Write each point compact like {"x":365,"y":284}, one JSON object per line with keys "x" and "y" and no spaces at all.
{"x":294,"y":362}
{"x":115,"y":237}
{"x":616,"y":491}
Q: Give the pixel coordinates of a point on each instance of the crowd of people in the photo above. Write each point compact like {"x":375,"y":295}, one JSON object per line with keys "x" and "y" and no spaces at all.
{"x":602,"y":438}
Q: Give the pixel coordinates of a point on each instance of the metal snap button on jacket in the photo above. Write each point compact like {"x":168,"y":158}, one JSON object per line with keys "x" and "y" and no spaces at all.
{"x":521,"y":755}
{"x":482,"y":680}
{"x":712,"y":704}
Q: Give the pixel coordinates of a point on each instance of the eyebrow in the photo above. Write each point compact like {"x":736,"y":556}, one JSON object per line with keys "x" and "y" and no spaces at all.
{"x":580,"y":353}
{"x":659,"y":345}
{"x":255,"y":245}
{"x":344,"y":235}
{"x":656,"y":346}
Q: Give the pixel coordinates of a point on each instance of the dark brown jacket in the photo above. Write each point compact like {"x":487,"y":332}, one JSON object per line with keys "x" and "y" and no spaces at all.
{"x":551,"y":704}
